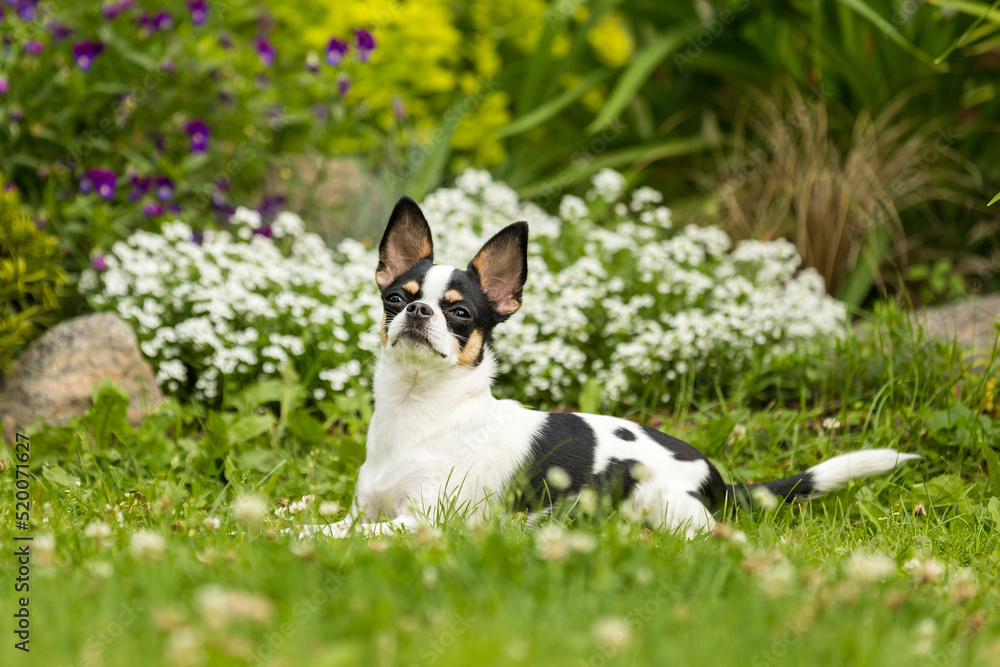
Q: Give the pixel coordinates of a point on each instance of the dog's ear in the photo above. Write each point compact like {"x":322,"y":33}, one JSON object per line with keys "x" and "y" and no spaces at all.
{"x":502,"y":267}
{"x":407,"y":240}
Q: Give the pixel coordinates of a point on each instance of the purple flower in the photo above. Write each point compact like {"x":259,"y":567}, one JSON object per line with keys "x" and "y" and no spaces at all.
{"x":58,"y":31}
{"x":197,"y":237}
{"x":85,"y":52}
{"x":343,"y":85}
{"x":164,"y":188}
{"x":97,"y":261}
{"x":163,"y":21}
{"x":320,"y":112}
{"x":34,"y":47}
{"x":26,"y":9}
{"x":225,"y":41}
{"x":145,"y":22}
{"x":335,"y":52}
{"x":167,"y":65}
{"x":17,"y":114}
{"x":264,"y":230}
{"x":398,"y":108}
{"x":270,"y":206}
{"x":198,"y":131}
{"x":126,"y":5}
{"x":41,"y":223}
{"x":4,"y":84}
{"x":111,"y":11}
{"x":140,"y":186}
{"x":152,"y":209}
{"x":265,"y":50}
{"x":199,"y":11}
{"x":226,"y":97}
{"x":101,"y":181}
{"x":365,"y":43}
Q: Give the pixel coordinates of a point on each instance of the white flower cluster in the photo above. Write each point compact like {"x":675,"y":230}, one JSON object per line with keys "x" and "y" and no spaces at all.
{"x":624,"y":301}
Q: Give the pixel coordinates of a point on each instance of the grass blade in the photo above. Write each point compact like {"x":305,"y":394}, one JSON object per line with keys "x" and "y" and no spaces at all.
{"x":637,"y":73}
{"x":994,"y":200}
{"x":965,"y":35}
{"x":890,"y":31}
{"x":546,"y":111}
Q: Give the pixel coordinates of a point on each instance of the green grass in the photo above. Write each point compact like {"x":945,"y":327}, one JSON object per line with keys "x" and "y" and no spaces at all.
{"x":799,"y":589}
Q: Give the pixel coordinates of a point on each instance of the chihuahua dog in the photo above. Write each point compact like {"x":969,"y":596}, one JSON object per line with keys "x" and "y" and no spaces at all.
{"x":439,"y":438}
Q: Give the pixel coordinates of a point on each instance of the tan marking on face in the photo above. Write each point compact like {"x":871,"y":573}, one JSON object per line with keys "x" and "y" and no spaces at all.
{"x":468,"y":356}
{"x":412,"y":287}
{"x":453,"y":296}
{"x":385,"y":334}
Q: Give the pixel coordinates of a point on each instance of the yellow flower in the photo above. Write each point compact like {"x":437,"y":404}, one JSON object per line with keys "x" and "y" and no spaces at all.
{"x":611,"y":40}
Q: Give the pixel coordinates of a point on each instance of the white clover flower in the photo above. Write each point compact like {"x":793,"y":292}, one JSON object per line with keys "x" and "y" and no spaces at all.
{"x":777,"y":580}
{"x":612,"y":634}
{"x":97,"y":530}
{"x":558,"y":478}
{"x":147,"y":545}
{"x":329,"y":508}
{"x":212,"y":522}
{"x":867,"y":567}
{"x":551,"y":542}
{"x":249,"y":509}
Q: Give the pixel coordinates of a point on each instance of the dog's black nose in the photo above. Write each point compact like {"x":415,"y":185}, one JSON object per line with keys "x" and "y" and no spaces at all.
{"x":419,"y":311}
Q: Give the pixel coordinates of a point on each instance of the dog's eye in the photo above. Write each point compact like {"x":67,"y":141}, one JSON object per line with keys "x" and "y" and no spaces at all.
{"x":461,"y":312}
{"x":394,"y":298}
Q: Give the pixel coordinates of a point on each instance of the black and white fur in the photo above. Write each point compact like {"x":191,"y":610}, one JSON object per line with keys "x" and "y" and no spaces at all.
{"x":438,"y":437}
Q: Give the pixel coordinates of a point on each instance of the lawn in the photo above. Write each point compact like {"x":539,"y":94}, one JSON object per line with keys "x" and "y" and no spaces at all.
{"x":171,"y":543}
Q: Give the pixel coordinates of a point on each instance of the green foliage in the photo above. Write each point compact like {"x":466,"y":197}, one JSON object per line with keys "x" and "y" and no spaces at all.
{"x":130,"y":111}
{"x":32,"y":281}
{"x":909,"y":557}
{"x":936,"y":282}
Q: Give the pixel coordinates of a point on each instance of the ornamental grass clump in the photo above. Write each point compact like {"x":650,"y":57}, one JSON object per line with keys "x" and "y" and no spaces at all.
{"x":619,"y":299}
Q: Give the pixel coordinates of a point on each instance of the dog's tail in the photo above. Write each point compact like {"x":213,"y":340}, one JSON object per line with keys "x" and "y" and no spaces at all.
{"x":823,"y":478}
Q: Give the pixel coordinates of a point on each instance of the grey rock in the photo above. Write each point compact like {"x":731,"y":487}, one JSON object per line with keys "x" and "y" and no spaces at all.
{"x":54,"y":377}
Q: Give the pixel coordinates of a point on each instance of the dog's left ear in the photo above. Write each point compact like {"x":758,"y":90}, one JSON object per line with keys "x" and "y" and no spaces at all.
{"x":407,"y":241}
{"x":502,"y":267}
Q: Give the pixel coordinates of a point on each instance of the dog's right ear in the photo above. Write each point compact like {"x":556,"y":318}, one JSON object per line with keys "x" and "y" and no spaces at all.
{"x":407,"y":240}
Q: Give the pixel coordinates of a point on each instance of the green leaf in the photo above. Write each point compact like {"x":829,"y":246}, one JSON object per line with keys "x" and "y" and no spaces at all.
{"x":249,"y":427}
{"x":216,"y":441}
{"x":261,"y":460}
{"x":994,"y":200}
{"x":109,"y":37}
{"x":57,"y":475}
{"x":890,"y":31}
{"x":306,"y":428}
{"x":590,"y":396}
{"x":625,"y":158}
{"x":107,"y":416}
{"x":549,"y":109}
{"x":993,"y":465}
{"x":638,"y":72}
{"x":982,"y":14}
{"x":994,"y":509}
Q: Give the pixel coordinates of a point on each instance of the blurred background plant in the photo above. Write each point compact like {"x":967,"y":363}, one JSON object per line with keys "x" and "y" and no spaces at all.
{"x":32,"y":280}
{"x":862,"y":132}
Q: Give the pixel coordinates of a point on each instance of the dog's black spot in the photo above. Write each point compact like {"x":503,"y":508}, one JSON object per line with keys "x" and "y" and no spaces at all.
{"x":713,"y":490}
{"x":565,"y":441}
{"x":624,"y":434}
{"x":617,"y":477}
